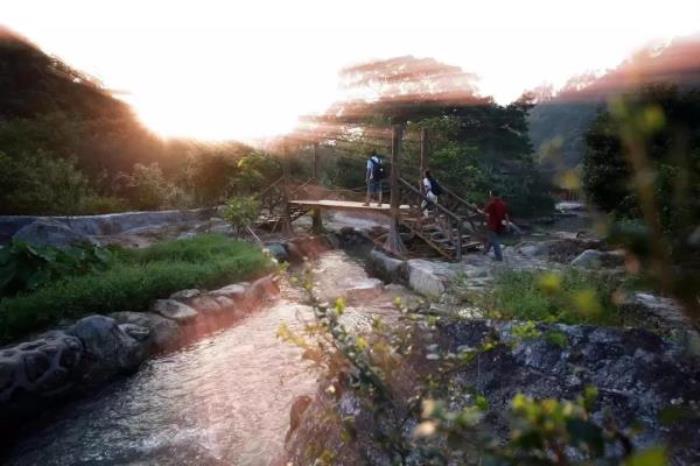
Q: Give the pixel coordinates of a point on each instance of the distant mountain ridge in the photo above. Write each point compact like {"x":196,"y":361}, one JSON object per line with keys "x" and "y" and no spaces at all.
{"x":561,"y":119}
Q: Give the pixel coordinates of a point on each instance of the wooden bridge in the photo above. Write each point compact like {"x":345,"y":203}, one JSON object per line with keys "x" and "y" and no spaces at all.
{"x":451,"y":227}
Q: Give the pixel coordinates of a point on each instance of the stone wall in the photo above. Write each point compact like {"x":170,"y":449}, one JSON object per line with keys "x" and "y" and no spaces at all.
{"x":107,"y":224}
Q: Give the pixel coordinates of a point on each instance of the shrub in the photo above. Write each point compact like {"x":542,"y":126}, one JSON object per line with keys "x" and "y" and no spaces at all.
{"x":41,"y":183}
{"x":241,"y":211}
{"x":24,"y":267}
{"x":146,"y":187}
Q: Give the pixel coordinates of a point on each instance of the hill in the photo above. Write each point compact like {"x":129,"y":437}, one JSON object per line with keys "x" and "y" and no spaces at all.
{"x":561,"y":119}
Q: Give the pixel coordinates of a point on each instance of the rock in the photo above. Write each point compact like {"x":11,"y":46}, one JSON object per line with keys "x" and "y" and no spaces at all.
{"x":236,"y":291}
{"x":388,"y":268}
{"x":533,"y":249}
{"x":278,"y":251}
{"x":108,"y":348}
{"x":661,"y":314}
{"x":205,"y":304}
{"x":164,"y":333}
{"x":637,"y":373}
{"x":570,"y":206}
{"x":227,"y":304}
{"x":40,"y":368}
{"x":174,"y":310}
{"x":590,"y":258}
{"x":137,"y":332}
{"x":51,"y":233}
{"x":429,"y":278}
{"x":185,"y":295}
{"x":365,"y":290}
{"x":262,"y":289}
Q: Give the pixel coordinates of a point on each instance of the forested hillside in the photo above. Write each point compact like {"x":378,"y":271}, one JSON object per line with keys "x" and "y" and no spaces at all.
{"x":559,"y":121}
{"x":67,"y":145}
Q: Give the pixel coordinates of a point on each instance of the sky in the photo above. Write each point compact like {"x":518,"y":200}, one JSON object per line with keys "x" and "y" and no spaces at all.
{"x":247,"y":69}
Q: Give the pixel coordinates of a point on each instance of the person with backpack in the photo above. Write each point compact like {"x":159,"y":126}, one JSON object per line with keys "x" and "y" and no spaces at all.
{"x":497,"y":218}
{"x":432,"y":190}
{"x":373,"y":176}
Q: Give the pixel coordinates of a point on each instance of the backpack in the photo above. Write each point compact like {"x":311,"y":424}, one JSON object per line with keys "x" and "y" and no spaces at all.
{"x":435,"y":187}
{"x":378,"y":172}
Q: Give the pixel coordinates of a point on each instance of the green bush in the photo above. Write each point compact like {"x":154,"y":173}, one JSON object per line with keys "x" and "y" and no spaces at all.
{"x":146,"y":188}
{"x":570,"y":297}
{"x":241,"y":211}
{"x":133,"y":281}
{"x":40,"y":183}
{"x":24,"y":267}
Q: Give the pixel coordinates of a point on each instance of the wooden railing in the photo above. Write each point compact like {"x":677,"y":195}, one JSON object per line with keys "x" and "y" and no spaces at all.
{"x":440,"y":228}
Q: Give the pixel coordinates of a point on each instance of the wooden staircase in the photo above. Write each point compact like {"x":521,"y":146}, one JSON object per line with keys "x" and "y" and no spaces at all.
{"x":446,"y":232}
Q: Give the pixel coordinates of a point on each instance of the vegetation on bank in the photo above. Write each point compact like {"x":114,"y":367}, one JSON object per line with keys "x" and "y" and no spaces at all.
{"x":131,"y":281}
{"x":570,"y":296}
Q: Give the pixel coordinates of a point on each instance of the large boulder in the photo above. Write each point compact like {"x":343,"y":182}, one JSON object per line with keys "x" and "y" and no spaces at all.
{"x":663,"y":315}
{"x":388,"y":268}
{"x":175,"y":310}
{"x":429,"y":278}
{"x":164,"y":333}
{"x":38,"y":369}
{"x":109,"y":348}
{"x":51,"y":233}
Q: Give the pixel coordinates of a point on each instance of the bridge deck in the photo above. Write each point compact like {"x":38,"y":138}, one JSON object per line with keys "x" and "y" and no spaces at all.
{"x":345,"y":205}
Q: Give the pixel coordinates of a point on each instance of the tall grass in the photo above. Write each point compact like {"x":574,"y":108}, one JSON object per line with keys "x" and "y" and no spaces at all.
{"x":133,"y":281}
{"x":570,"y":296}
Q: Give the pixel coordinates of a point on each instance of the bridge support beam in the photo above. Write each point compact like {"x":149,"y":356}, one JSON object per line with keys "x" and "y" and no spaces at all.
{"x":286,"y":218}
{"x":394,"y":243}
{"x":423,"y":157}
{"x":317,"y":223}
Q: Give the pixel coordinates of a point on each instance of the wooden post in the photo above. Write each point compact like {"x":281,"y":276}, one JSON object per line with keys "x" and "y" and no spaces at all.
{"x":317,"y":225}
{"x":394,"y":243}
{"x":423,"y":158}
{"x":286,"y":219}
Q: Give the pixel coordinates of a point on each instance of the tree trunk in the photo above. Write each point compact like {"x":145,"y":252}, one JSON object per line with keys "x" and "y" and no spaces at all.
{"x":317,"y":225}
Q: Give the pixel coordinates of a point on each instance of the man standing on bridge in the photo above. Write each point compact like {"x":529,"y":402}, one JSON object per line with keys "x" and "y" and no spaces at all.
{"x":374,"y":176}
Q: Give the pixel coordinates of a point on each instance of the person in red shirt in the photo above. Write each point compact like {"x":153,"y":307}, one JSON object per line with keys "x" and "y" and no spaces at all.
{"x":496,"y":212}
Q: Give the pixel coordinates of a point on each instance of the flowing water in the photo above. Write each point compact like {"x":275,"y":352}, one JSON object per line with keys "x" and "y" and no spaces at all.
{"x":222,"y":400}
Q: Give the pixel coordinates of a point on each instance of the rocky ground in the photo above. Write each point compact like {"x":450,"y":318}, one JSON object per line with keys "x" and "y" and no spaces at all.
{"x":641,"y":371}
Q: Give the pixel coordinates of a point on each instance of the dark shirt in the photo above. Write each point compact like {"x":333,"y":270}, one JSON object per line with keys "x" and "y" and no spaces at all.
{"x":496,"y":210}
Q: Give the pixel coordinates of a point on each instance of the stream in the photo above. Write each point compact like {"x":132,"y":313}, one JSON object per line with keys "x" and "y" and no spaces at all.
{"x":222,"y":400}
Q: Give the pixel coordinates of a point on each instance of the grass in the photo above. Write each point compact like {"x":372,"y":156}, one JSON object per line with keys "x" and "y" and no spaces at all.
{"x":570,"y":296}
{"x":133,"y":280}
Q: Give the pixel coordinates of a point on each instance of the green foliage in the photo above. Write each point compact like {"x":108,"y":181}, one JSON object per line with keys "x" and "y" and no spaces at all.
{"x":146,"y":188}
{"x":24,"y":267}
{"x":41,"y":183}
{"x":569,"y":297}
{"x":542,"y":432}
{"x":240,"y":212}
{"x":648,"y":142}
{"x":471,"y":154}
{"x":133,"y":279}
